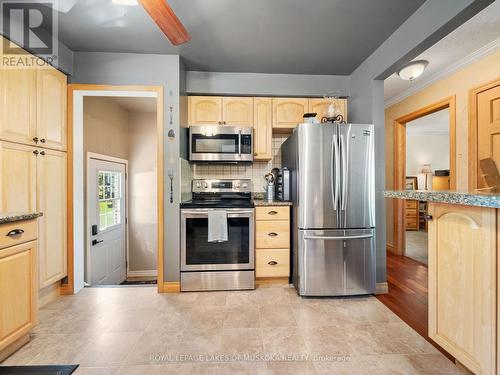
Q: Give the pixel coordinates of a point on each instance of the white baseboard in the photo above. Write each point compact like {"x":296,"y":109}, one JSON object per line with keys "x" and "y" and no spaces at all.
{"x":146,"y":273}
{"x":381,"y":288}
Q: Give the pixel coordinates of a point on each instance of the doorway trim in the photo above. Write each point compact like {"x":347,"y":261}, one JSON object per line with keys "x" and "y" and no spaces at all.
{"x":473,"y":131}
{"x":399,"y":165}
{"x":111,"y":159}
{"x":76,"y":242}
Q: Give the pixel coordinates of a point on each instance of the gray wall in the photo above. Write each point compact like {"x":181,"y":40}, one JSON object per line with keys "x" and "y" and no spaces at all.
{"x":259,"y":84}
{"x":431,"y":22}
{"x":146,"y":69}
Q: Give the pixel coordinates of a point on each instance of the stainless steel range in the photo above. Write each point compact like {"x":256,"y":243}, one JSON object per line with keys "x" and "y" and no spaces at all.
{"x":227,"y":265}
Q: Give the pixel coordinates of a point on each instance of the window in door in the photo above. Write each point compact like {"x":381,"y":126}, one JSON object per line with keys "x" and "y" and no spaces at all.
{"x":109,"y":198}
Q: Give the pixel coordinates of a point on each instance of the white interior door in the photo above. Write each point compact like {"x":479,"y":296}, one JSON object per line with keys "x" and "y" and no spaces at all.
{"x":106,"y":199}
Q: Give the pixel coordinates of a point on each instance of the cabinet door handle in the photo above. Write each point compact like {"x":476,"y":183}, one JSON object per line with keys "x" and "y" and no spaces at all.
{"x":428,"y":217}
{"x":220,"y":122}
{"x":42,"y":140}
{"x":272,"y":234}
{"x":35,"y":139}
{"x":42,"y":153}
{"x":36,"y":152}
{"x":272,"y":263}
{"x":272,"y":212}
{"x":15,"y":232}
{"x":95,"y":242}
{"x":255,"y":154}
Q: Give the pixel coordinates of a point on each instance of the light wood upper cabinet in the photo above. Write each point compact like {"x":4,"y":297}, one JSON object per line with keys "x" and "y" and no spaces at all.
{"x":51,"y":200}
{"x":51,"y":109}
{"x":17,"y":178}
{"x":263,"y":128}
{"x":288,"y":112}
{"x":320,"y":106}
{"x":205,"y":110}
{"x":237,"y":111}
{"x":18,"y":105}
{"x":462,"y":284}
{"x":18,"y":293}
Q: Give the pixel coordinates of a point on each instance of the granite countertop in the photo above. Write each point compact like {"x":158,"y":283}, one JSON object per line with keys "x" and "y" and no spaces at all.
{"x":467,"y":198}
{"x":11,"y":217}
{"x":265,"y":202}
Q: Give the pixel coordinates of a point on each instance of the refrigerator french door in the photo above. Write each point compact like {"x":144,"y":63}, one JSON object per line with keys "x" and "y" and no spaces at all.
{"x":333,"y":239}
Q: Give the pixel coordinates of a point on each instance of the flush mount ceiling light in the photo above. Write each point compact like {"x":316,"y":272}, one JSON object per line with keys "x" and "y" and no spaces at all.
{"x":127,"y":3}
{"x":413,"y":70}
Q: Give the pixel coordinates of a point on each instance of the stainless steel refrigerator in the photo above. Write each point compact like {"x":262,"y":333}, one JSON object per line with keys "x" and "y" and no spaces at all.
{"x":333,"y":182}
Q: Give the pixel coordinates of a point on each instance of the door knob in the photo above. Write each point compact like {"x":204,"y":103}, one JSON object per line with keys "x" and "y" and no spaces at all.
{"x":95,"y":242}
{"x":42,"y":140}
{"x":42,"y":153}
{"x":428,"y":217}
{"x":36,"y":152}
{"x":35,"y":139}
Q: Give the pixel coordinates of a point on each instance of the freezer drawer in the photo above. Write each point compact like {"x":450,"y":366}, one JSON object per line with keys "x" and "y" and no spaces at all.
{"x":335,"y":262}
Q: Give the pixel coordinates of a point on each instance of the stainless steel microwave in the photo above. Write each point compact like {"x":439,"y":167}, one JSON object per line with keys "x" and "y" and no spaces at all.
{"x":226,"y":143}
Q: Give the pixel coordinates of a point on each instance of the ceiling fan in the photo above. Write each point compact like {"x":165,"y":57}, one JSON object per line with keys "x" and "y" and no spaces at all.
{"x":163,"y":15}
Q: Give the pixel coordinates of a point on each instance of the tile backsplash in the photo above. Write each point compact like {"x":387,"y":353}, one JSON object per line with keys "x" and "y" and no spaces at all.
{"x":255,"y":171}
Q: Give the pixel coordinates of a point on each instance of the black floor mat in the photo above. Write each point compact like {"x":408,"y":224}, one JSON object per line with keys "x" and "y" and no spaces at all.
{"x":38,"y":370}
{"x":134,"y":282}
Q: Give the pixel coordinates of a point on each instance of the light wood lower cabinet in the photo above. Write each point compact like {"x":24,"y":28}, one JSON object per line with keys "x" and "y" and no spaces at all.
{"x":18,"y":293}
{"x":51,"y":200}
{"x":272,"y":242}
{"x":463,"y":284}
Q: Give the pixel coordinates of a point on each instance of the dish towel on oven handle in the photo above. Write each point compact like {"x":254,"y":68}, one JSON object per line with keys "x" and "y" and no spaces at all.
{"x":217,"y":226}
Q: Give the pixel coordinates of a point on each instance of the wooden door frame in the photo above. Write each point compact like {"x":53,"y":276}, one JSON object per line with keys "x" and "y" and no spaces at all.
{"x":399,"y":166}
{"x":473,"y":132}
{"x":68,"y":285}
{"x":110,"y":159}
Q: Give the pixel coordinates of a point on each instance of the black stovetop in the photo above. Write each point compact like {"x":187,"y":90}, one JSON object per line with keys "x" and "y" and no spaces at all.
{"x":219,"y":201}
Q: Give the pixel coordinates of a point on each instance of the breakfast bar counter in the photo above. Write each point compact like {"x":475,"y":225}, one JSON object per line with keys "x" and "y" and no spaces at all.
{"x":463,"y":242}
{"x":474,"y":198}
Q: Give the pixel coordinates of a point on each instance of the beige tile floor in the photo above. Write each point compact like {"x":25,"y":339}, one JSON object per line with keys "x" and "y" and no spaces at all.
{"x":134,"y":330}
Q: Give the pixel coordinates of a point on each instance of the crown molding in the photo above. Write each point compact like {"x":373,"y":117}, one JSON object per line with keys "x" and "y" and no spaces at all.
{"x":442,"y":73}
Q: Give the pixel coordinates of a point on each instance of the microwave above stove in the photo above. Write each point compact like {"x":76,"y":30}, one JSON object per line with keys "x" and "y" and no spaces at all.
{"x":226,"y":144}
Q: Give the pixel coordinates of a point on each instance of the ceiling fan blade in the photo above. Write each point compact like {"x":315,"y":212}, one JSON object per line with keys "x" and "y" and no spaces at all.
{"x":167,"y":21}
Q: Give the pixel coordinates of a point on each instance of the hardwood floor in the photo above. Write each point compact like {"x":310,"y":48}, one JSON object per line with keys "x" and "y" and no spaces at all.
{"x":408,"y":294}
{"x":407,"y":297}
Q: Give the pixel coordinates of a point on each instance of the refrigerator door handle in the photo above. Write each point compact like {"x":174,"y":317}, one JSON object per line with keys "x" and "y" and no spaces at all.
{"x":345,"y":174}
{"x":326,"y":238}
{"x":336,"y":183}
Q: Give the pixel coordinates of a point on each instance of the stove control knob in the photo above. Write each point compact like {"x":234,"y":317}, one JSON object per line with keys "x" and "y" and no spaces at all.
{"x":198,"y":185}
{"x":245,"y":185}
{"x":237,"y":186}
{"x":205,"y":185}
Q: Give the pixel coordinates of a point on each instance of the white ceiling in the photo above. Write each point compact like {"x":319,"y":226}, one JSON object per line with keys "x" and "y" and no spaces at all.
{"x":435,"y":123}
{"x":478,"y":35}
{"x":137,"y":104}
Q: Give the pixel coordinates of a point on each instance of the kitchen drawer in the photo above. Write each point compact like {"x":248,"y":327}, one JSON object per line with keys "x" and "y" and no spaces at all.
{"x":272,"y":213}
{"x":411,"y":204}
{"x":272,"y":263}
{"x":27,"y":232}
{"x":272,"y":234}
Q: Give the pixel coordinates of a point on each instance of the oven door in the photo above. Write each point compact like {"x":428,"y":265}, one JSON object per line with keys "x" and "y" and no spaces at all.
{"x":237,"y":253}
{"x":220,"y":143}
